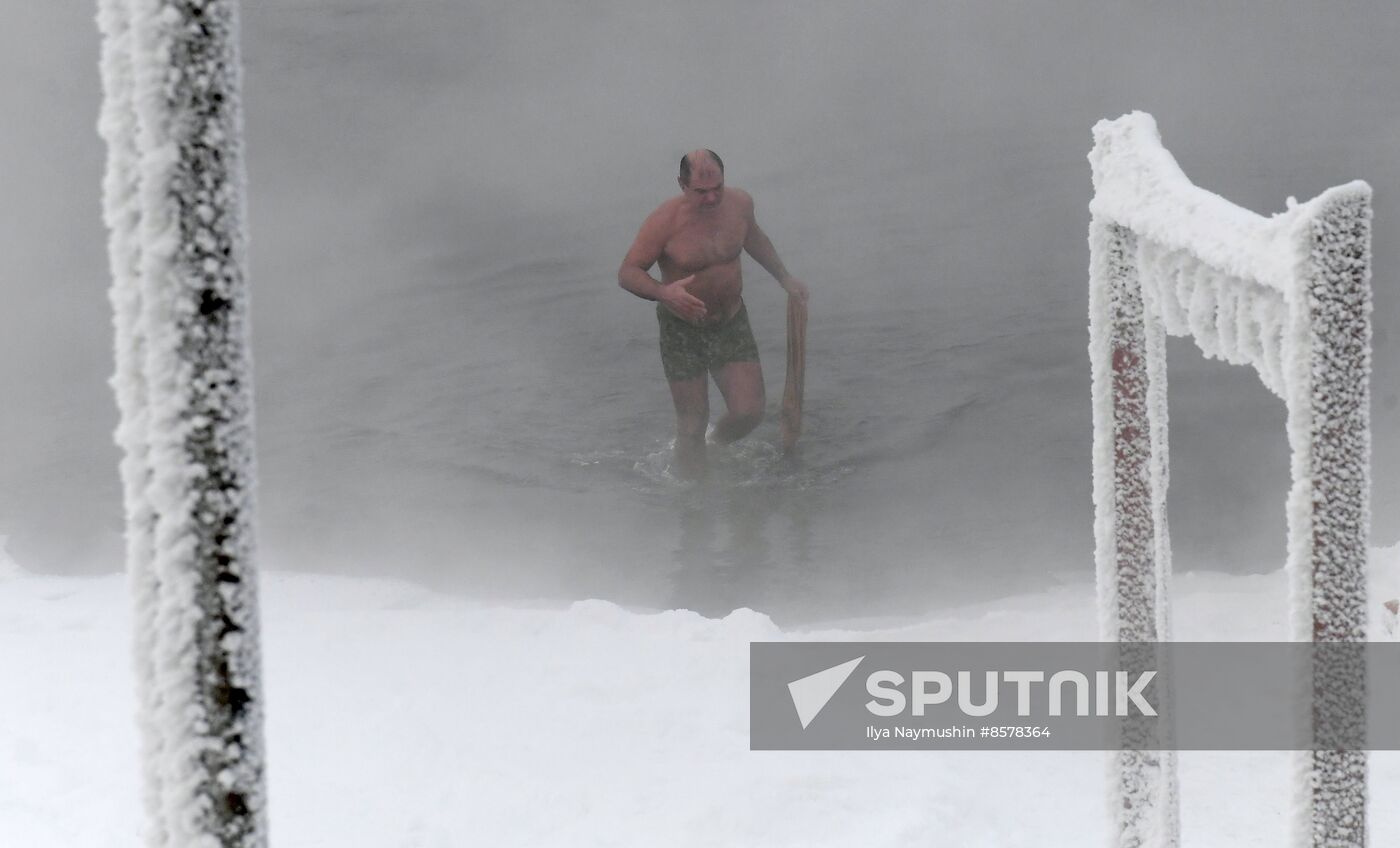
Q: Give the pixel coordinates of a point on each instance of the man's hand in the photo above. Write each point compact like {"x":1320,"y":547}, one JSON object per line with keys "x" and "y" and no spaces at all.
{"x":795,"y":287}
{"x":681,"y":302}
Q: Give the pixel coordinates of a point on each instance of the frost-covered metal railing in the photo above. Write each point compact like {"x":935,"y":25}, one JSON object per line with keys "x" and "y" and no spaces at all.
{"x":173,"y":203}
{"x":1289,"y":295}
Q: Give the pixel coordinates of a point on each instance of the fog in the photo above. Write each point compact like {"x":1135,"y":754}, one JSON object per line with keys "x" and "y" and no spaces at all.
{"x":452,"y":388}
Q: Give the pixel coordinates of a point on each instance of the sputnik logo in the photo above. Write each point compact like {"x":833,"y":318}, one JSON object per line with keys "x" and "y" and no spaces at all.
{"x":811,"y":693}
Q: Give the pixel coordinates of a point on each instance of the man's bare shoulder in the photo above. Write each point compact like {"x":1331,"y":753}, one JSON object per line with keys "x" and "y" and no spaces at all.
{"x":652,"y":236}
{"x":663,"y":218}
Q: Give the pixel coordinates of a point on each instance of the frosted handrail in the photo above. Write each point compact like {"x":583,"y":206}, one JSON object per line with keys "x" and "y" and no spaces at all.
{"x":1138,"y":183}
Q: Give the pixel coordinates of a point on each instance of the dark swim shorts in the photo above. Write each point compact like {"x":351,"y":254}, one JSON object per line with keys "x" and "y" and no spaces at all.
{"x":688,"y":350}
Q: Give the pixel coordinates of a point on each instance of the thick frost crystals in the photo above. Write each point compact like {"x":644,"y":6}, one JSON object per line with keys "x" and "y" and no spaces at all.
{"x":173,"y":202}
{"x":1290,"y":296}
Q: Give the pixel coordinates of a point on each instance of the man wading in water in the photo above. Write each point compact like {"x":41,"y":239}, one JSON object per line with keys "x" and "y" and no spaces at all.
{"x":696,"y":239}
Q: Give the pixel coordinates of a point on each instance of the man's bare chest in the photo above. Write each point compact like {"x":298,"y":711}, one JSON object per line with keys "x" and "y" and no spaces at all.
{"x":699,"y":244}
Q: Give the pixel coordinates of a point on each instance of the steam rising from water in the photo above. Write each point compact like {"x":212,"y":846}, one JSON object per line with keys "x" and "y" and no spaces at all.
{"x":452,"y":387}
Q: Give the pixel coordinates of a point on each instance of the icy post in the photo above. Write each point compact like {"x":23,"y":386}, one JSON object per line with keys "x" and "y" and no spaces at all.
{"x":122,"y":215}
{"x":173,"y":203}
{"x":1289,"y":295}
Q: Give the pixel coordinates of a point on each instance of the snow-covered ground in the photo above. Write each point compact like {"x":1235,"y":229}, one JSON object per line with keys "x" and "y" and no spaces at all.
{"x":400,"y":717}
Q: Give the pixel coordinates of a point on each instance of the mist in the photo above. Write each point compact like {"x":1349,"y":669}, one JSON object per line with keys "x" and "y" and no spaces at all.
{"x":452,"y":388}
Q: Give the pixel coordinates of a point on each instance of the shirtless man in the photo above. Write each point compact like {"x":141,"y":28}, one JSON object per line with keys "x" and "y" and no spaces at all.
{"x":696,"y":239}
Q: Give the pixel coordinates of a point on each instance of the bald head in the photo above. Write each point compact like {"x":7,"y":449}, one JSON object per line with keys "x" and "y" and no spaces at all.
{"x":701,"y":162}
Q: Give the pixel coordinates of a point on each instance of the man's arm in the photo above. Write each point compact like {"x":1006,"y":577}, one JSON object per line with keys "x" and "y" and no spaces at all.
{"x":644,"y":253}
{"x":760,"y":247}
{"x":635,"y":276}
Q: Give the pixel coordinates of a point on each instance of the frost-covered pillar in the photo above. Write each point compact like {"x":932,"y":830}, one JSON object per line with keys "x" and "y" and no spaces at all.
{"x":121,"y":208}
{"x":1329,"y":504}
{"x":184,"y":388}
{"x":1131,"y":584}
{"x":1289,"y":296}
{"x":1129,"y":494}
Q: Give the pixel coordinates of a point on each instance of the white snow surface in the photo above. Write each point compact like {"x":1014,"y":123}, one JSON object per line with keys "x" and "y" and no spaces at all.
{"x":400,"y":717}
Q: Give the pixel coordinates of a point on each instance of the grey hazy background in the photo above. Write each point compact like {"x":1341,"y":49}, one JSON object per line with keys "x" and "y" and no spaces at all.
{"x":452,"y":388}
